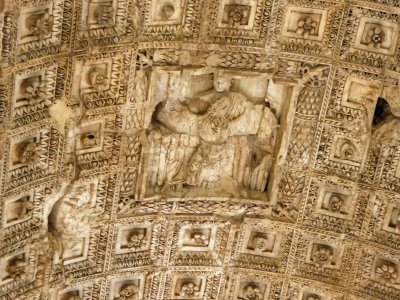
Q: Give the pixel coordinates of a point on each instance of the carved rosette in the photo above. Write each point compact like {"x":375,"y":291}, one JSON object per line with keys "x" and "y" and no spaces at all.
{"x":34,"y":92}
{"x":378,"y":273}
{"x":256,"y":286}
{"x":133,"y":244}
{"x":189,"y":285}
{"x":106,"y":23}
{"x":41,"y":31}
{"x":310,"y":29}
{"x":261,"y":248}
{"x":371,"y":37}
{"x":336,"y":208}
{"x":101,"y":81}
{"x":171,"y":20}
{"x":324,"y":258}
{"x":238,"y":22}
{"x":190,"y":149}
{"x":309,"y":291}
{"x":18,"y":272}
{"x":130,"y":286}
{"x":32,"y":156}
{"x":199,"y":243}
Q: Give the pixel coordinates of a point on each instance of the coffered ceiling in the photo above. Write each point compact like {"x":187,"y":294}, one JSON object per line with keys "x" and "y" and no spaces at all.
{"x":200,"y":149}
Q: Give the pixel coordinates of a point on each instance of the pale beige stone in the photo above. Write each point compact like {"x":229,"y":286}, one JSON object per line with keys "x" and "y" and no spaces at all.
{"x":200,"y":149}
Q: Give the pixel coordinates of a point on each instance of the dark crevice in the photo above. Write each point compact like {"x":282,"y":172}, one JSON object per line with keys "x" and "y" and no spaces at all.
{"x":382,"y":111}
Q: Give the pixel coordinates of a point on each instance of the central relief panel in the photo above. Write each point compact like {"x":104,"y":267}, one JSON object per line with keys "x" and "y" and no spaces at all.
{"x":212,"y":132}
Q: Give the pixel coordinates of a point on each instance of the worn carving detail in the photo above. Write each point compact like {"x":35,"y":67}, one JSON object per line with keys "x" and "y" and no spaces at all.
{"x":204,"y":141}
{"x":200,"y":150}
{"x":15,"y":268}
{"x":188,"y":288}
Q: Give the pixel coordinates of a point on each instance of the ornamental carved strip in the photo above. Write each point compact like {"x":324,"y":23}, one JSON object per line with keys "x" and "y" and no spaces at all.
{"x":200,"y":149}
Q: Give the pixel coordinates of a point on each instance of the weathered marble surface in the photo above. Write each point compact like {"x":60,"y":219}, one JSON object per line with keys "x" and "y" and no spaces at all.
{"x":200,"y":149}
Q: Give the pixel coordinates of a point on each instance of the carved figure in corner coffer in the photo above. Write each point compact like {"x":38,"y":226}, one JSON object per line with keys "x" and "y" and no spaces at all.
{"x":216,"y":142}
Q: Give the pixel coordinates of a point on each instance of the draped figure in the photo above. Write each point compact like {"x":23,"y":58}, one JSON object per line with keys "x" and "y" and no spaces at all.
{"x":216,"y":139}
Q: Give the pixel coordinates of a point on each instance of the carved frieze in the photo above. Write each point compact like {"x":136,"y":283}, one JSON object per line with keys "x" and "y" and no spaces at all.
{"x":199,"y":149}
{"x":215,"y":125}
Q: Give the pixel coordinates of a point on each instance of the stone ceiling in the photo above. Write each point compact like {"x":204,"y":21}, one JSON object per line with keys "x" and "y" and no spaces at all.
{"x":200,"y":149}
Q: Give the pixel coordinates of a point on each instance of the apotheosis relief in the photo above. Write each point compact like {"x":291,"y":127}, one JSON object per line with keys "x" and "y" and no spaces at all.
{"x":212,"y":133}
{"x":200,"y":149}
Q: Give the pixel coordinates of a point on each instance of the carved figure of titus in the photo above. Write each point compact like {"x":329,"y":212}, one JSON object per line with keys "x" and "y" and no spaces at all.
{"x":217,"y":139}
